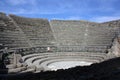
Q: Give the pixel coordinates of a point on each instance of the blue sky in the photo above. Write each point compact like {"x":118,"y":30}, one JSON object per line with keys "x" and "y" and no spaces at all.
{"x":91,"y":10}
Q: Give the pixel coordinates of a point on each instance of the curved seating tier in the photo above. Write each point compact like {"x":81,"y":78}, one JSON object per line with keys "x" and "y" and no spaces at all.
{"x":47,"y":64}
{"x":42,"y":60}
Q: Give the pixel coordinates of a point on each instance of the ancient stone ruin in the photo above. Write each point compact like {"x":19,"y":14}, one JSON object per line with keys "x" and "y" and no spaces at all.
{"x":33,"y":45}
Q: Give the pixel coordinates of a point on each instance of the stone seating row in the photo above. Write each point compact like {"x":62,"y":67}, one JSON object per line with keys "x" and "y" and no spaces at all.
{"x":38,"y":33}
{"x":46,"y":63}
{"x":10,"y":34}
{"x":36,"y":58}
{"x":64,"y":53}
{"x":33,"y":60}
{"x":83,"y":33}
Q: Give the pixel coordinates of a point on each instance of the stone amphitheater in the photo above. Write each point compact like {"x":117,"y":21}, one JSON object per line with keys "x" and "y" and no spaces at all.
{"x":38,"y":45}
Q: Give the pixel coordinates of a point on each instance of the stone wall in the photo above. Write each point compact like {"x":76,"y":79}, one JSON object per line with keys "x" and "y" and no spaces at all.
{"x":115,"y":49}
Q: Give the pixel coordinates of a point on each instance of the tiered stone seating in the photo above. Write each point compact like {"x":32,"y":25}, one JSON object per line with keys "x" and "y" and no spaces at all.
{"x":10,"y":35}
{"x":115,"y":23}
{"x":74,"y":41}
{"x":38,"y":31}
{"x":86,"y":36}
{"x":41,"y":61}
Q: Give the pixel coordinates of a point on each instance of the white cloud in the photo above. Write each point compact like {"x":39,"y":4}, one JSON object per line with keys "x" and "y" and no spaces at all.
{"x":65,"y":7}
{"x":105,"y":18}
{"x":34,"y":7}
{"x":33,"y":11}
